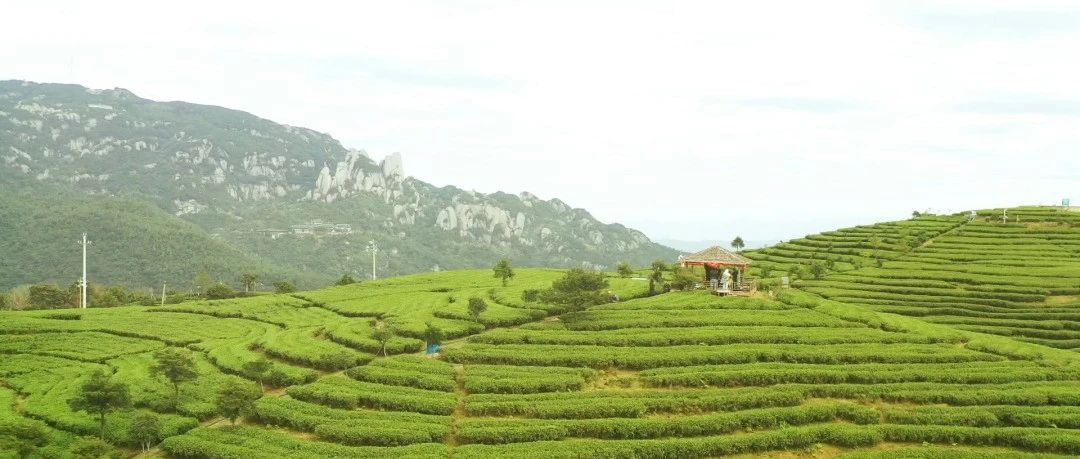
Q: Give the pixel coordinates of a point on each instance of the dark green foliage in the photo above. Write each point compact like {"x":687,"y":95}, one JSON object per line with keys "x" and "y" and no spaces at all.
{"x":738,"y":243}
{"x":346,"y":279}
{"x":503,"y":271}
{"x":433,"y":334}
{"x":531,"y":295}
{"x":146,"y":430}
{"x":281,"y":287}
{"x":624,"y":269}
{"x":683,"y":279}
{"x":220,"y":291}
{"x":477,"y":306}
{"x":258,"y":370}
{"x":236,"y":399}
{"x":21,"y":437}
{"x":577,"y":288}
{"x":48,"y":296}
{"x":248,"y":280}
{"x":383,"y":336}
{"x":99,"y":396}
{"x":63,"y":316}
{"x":177,"y":366}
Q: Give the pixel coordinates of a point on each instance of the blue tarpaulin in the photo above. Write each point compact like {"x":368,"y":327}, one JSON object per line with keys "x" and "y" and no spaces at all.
{"x":432,"y":348}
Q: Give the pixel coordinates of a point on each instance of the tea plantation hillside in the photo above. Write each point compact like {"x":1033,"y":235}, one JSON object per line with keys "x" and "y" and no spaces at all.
{"x":866,"y":359}
{"x":1019,"y":279}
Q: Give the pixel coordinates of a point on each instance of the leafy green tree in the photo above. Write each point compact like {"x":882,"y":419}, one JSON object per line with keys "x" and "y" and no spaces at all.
{"x":818,"y":270}
{"x":916,"y":214}
{"x":93,"y":448}
{"x":220,"y":291}
{"x":797,"y":272}
{"x":177,"y":366}
{"x":346,"y":279}
{"x":766,"y":270}
{"x":624,"y":269}
{"x":433,"y":334}
{"x":99,"y":395}
{"x":5,"y":303}
{"x":531,"y":295}
{"x":737,"y":243}
{"x":477,"y":306}
{"x":22,"y":438}
{"x":683,"y":278}
{"x":258,"y":370}
{"x":47,"y":296}
{"x":284,"y":287}
{"x":656,"y":276}
{"x":236,"y":398}
{"x":577,"y":288}
{"x":382,"y":335}
{"x":249,"y":280}
{"x":503,"y":271}
{"x":146,"y":429}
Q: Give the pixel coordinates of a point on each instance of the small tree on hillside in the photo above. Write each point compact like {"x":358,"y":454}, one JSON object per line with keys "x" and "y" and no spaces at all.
{"x":657,"y":275}
{"x":284,"y":287}
{"x":624,"y":269}
{"x":738,"y":243}
{"x":99,"y":395}
{"x":916,"y":214}
{"x":683,"y":278}
{"x":382,"y":335}
{"x":797,"y":272}
{"x":47,"y":296}
{"x":220,"y":291}
{"x":477,"y":306}
{"x":249,"y":280}
{"x":433,"y":334}
{"x":177,"y":366}
{"x":818,"y":270}
{"x":503,"y":270}
{"x":346,"y":279}
{"x":236,"y":398}
{"x":577,"y":288}
{"x":259,"y":370}
{"x":145,"y":429}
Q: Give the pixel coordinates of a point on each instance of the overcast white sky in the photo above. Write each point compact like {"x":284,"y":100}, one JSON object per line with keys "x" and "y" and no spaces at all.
{"x":688,"y":120}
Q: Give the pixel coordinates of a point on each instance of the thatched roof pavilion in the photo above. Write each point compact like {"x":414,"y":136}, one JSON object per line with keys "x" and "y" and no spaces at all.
{"x":716,"y":259}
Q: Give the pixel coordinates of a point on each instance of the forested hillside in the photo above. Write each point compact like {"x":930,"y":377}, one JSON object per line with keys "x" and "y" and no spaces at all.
{"x":294,"y":198}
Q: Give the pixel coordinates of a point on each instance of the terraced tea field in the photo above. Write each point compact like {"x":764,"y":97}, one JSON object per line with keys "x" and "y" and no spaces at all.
{"x":933,"y":337}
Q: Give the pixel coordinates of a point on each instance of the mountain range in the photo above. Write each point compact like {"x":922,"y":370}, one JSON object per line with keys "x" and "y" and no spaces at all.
{"x":168,"y":189}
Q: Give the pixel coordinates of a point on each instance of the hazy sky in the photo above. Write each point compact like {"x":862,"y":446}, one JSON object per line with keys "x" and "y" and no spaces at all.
{"x":691,"y":120}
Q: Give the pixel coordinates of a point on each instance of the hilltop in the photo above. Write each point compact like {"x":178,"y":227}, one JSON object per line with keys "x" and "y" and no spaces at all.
{"x":939,"y":336}
{"x":291,"y":201}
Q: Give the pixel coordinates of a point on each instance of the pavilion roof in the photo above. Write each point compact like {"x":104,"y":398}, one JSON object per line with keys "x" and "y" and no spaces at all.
{"x":718,"y":255}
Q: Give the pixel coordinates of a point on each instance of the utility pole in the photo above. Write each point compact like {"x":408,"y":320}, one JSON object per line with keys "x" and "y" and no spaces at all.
{"x":1004,"y":216}
{"x":373,"y":248}
{"x":82,"y":282}
{"x":163,"y":293}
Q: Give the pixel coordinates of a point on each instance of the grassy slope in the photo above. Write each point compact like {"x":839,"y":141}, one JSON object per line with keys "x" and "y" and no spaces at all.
{"x":683,"y":374}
